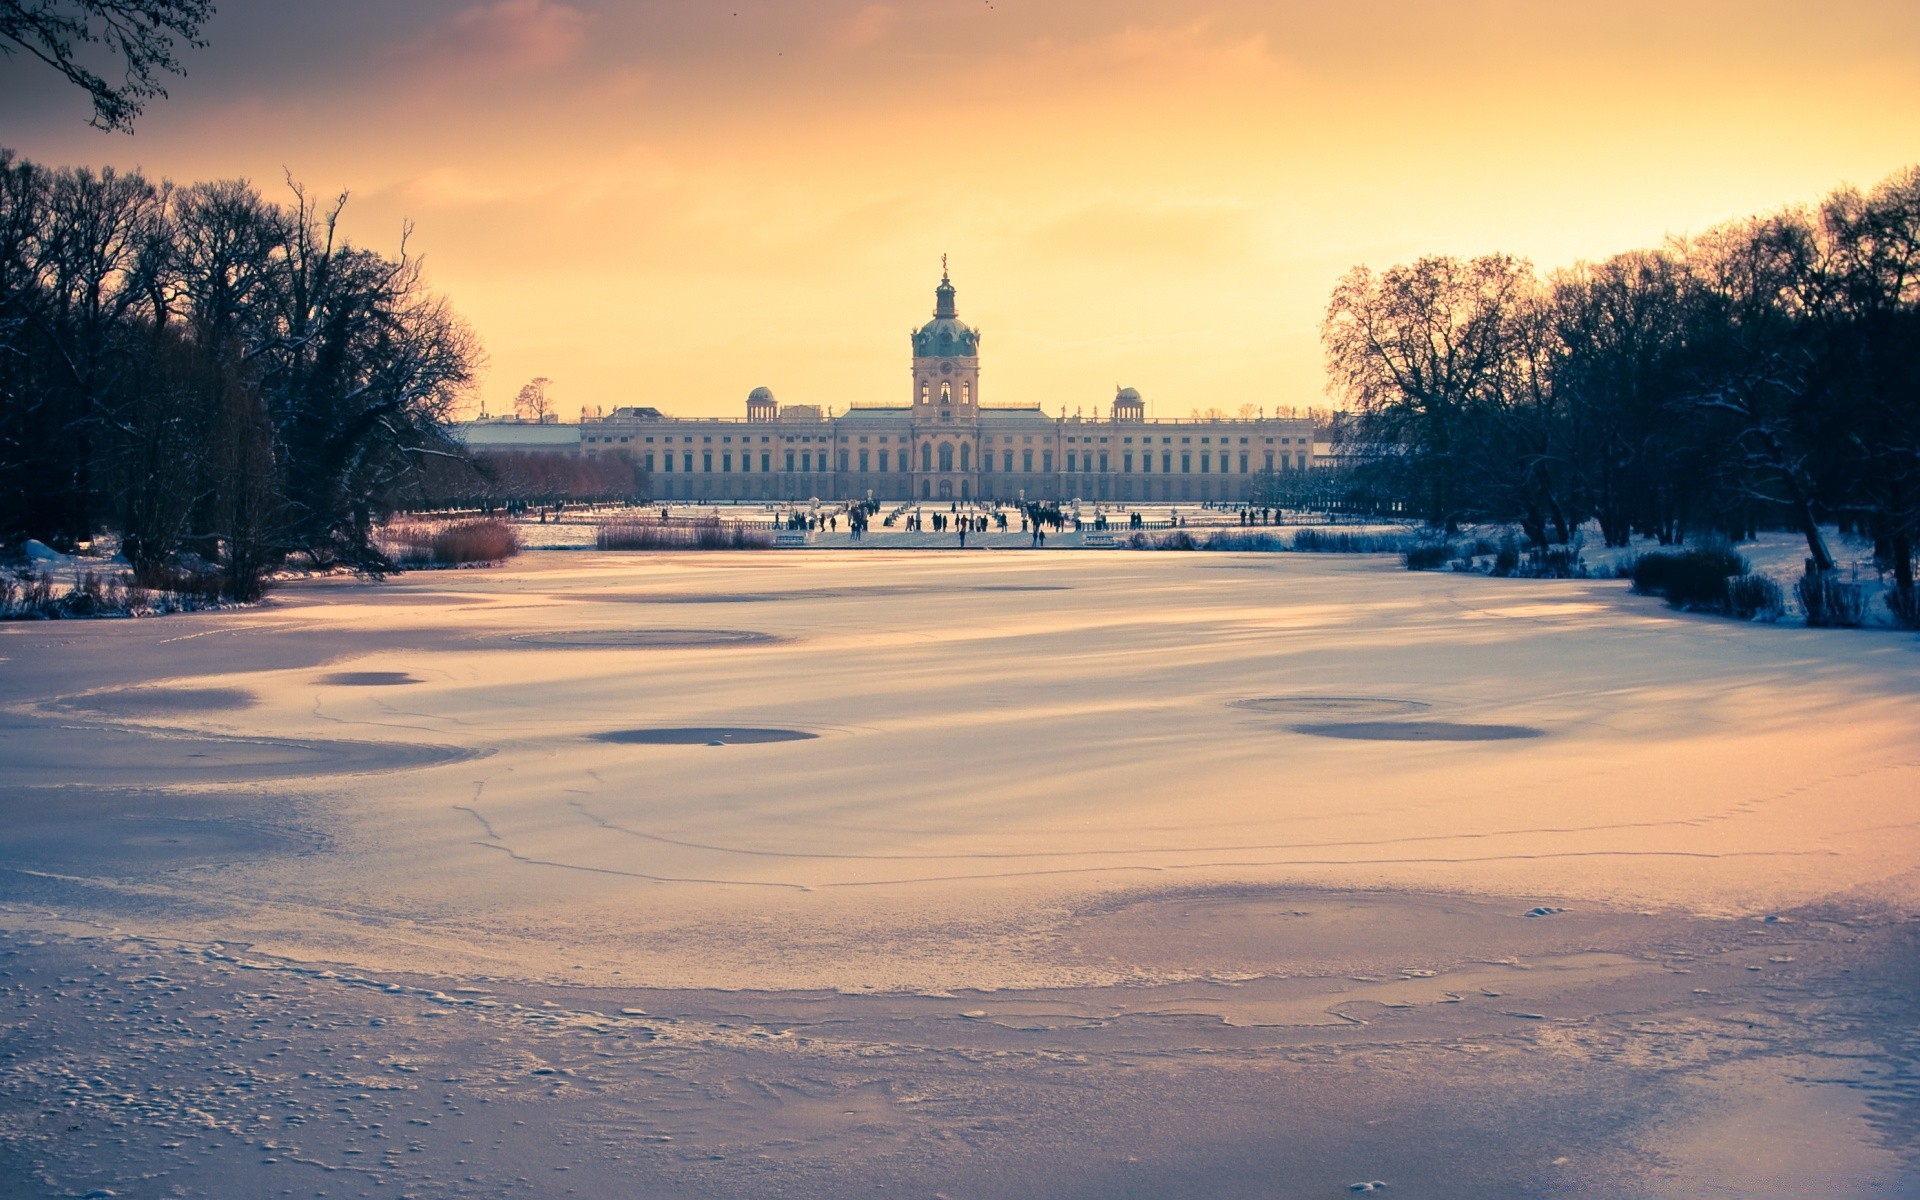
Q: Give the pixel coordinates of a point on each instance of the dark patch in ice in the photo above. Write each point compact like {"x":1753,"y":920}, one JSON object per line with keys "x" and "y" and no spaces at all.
{"x":45,"y":752}
{"x":1354,"y":706}
{"x":677,"y":639}
{"x":367,"y":678}
{"x":702,"y":735}
{"x":141,"y":702}
{"x":1418,"y":731}
{"x":94,"y":831}
{"x":1021,"y":587}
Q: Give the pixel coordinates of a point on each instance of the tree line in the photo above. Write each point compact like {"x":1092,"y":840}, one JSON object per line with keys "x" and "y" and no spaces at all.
{"x":211,"y":372}
{"x":495,"y":479}
{"x":1766,"y":372}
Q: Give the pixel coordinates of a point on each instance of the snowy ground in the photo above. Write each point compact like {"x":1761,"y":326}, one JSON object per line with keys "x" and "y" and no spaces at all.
{"x":1102,"y":874}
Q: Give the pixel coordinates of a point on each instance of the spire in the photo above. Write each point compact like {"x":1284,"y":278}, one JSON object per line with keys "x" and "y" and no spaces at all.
{"x":943,"y":295}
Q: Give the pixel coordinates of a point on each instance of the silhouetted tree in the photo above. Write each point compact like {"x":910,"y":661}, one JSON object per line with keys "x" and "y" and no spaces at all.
{"x":1768,"y":369}
{"x":1415,"y":349}
{"x":138,"y":35}
{"x":209,"y":371}
{"x":531,"y":400}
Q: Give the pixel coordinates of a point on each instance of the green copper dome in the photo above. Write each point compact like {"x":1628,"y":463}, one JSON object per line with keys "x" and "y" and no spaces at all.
{"x":946,"y":336}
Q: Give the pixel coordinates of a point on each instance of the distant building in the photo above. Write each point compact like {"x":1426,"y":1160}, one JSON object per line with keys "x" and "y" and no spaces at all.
{"x":944,"y":443}
{"x":499,"y":434}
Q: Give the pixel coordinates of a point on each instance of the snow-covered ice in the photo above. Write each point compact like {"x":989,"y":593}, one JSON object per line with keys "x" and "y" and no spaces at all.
{"x":1057,"y":800}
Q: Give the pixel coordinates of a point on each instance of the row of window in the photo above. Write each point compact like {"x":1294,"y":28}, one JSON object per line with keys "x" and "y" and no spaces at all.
{"x":1007,"y":438}
{"x":1077,"y":462}
{"x":1168,"y":441}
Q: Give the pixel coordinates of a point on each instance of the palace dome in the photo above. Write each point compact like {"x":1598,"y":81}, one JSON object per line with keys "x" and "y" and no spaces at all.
{"x":946,"y":336}
{"x":760,"y":395}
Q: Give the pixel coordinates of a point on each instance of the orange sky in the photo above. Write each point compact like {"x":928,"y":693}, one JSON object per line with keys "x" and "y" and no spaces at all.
{"x":671,"y":202}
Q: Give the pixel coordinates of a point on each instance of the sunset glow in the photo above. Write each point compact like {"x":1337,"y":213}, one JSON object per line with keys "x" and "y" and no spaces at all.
{"x":671,"y":203}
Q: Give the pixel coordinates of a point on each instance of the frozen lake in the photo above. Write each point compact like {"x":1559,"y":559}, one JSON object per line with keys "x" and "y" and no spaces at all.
{"x":880,"y":848}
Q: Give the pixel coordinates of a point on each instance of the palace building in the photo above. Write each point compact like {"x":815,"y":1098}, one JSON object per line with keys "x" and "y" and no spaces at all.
{"x":945,"y":443}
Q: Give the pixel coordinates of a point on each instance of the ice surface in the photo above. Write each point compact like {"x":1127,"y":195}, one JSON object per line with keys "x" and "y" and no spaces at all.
{"x":988,"y":755}
{"x":1058,"y":901}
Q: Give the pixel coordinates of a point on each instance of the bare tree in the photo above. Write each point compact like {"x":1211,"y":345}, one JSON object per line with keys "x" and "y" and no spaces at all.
{"x":139,"y":35}
{"x":1621,"y":329}
{"x":1415,"y":349}
{"x":1865,"y":305}
{"x":531,"y":401}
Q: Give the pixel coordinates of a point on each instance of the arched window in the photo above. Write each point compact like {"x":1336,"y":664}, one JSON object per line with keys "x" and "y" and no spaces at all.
{"x":926,"y":456}
{"x":946,"y":456}
{"x":946,"y":392}
{"x":965,"y":391}
{"x":924,"y":391}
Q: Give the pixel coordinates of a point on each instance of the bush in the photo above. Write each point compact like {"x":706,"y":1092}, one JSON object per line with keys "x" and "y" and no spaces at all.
{"x":1178,"y":539}
{"x":708,"y":533}
{"x":1321,"y":541}
{"x":1554,"y":562}
{"x":1693,"y":579}
{"x":32,"y":596}
{"x":1904,"y":603}
{"x":1755,"y":598}
{"x":1506,"y":558}
{"x":1831,"y":603}
{"x":1425,"y":556}
{"x":452,"y":545}
{"x":193,"y":583}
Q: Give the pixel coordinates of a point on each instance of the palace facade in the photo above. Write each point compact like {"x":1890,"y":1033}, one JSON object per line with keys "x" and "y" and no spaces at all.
{"x":945,"y":443}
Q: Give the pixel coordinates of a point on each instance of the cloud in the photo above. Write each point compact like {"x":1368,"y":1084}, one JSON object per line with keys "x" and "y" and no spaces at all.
{"x":448,"y":187}
{"x":865,"y":28}
{"x":1118,"y":231}
{"x":510,"y":36}
{"x":1149,"y":55}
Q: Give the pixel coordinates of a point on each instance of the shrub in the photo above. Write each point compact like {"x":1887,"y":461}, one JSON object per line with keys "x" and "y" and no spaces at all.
{"x":475,"y":541}
{"x":1694,"y":579}
{"x":1755,"y":598}
{"x":1904,"y":603}
{"x":1554,"y":562}
{"x":31,"y":596}
{"x":1830,"y":602}
{"x":1506,"y":559}
{"x":1322,"y":541}
{"x":451,"y":545}
{"x":192,"y":583}
{"x":1425,"y":556}
{"x":1243,"y":539}
{"x":709,"y":533}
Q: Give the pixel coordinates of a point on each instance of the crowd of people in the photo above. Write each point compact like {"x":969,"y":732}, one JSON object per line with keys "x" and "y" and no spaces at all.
{"x":960,"y":519}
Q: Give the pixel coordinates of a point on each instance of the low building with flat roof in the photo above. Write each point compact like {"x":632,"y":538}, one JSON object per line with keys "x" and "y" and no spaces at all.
{"x":501,"y":434}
